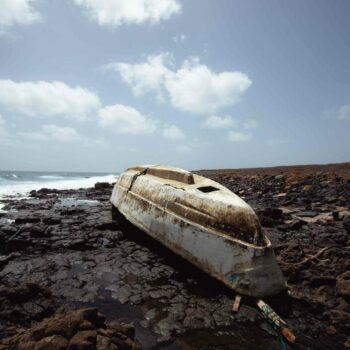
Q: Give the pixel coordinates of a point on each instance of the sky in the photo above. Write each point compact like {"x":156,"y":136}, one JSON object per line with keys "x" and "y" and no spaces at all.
{"x":101,"y":85}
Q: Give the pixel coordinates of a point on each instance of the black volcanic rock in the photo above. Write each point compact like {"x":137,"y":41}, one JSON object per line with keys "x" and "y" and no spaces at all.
{"x":346,"y":223}
{"x":103,"y":186}
{"x":24,"y":303}
{"x":86,"y":257}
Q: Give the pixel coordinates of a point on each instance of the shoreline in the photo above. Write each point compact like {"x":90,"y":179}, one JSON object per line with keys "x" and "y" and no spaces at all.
{"x":75,"y":250}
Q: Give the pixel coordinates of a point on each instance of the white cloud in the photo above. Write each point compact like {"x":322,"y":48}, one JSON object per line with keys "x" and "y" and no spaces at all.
{"x":117,"y":12}
{"x":237,"y":136}
{"x":44,"y":98}
{"x":179,"y":39}
{"x":216,"y":122}
{"x":17,"y":12}
{"x":54,"y":133}
{"x":173,"y":132}
{"x":343,"y":113}
{"x":193,"y":88}
{"x":144,"y":77}
{"x":250,"y":124}
{"x":125,"y":120}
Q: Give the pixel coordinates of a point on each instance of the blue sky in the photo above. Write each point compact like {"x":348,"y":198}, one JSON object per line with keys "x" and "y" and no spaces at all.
{"x":91,"y":85}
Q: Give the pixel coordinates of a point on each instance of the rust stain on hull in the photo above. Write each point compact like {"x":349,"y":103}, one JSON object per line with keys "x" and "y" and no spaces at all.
{"x":212,"y":228}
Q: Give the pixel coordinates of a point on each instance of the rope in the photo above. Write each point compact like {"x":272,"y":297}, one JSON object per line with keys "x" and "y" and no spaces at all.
{"x":272,"y":318}
{"x":266,"y":316}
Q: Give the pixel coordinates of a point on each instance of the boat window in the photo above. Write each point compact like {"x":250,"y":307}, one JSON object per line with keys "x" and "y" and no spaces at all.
{"x":207,"y":189}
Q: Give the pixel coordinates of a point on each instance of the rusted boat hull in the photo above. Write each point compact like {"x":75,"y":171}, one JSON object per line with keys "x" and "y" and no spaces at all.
{"x":248,"y":269}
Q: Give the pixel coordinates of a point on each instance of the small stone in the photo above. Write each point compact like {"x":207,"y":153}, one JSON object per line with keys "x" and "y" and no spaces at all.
{"x":296,"y":224}
{"x":306,"y":214}
{"x":76,"y":244}
{"x":151,"y":314}
{"x":331,"y":330}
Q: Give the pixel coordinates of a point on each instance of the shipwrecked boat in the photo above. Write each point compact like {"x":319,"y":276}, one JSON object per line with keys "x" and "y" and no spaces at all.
{"x":203,"y":222}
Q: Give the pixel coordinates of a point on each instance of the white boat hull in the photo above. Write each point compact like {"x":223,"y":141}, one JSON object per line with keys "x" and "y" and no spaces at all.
{"x":248,"y":269}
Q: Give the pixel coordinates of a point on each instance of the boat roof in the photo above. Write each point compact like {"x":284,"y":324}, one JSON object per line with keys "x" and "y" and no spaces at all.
{"x":167,"y":172}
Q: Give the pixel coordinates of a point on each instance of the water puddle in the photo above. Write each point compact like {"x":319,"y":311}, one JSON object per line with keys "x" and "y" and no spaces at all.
{"x":73,"y":202}
{"x":116,"y":311}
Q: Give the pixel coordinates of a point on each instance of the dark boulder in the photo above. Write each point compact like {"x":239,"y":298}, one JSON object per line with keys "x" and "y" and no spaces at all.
{"x":82,"y":329}
{"x":52,"y":221}
{"x":24,"y":303}
{"x":343,"y":285}
{"x":38,"y":231}
{"x":103,"y":186}
{"x":271,"y":212}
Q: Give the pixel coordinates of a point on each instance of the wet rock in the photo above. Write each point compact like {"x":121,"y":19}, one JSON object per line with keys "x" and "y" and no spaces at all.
{"x":4,"y":259}
{"x":83,"y":340}
{"x":76,"y":244}
{"x":346,"y":223}
{"x":335,"y":215}
{"x":27,"y":219}
{"x":68,"y":331}
{"x":103,"y":186}
{"x":9,"y":230}
{"x":343,"y":285}
{"x":45,"y":191}
{"x":270,"y":212}
{"x":23,"y":303}
{"x":52,"y":221}
{"x":198,"y":319}
{"x":16,"y":244}
{"x":38,"y":231}
{"x":137,"y":271}
{"x":269,"y":217}
{"x":166,"y":327}
{"x":106,"y":224}
{"x":317,"y":281}
{"x":151,"y":314}
{"x":306,"y":214}
{"x":292,"y":225}
{"x":53,"y":342}
{"x":113,"y":236}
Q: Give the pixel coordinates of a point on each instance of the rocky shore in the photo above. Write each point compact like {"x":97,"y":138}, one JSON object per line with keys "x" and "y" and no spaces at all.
{"x":72,"y":277}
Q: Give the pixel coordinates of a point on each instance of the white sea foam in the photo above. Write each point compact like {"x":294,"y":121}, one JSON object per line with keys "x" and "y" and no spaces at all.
{"x":51,"y":177}
{"x":1,"y":206}
{"x":23,"y":188}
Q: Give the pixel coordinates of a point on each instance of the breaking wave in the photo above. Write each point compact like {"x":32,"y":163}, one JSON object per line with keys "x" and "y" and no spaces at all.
{"x":22,"y":189}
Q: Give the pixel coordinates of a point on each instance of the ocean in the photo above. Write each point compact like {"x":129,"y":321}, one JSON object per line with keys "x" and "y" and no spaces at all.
{"x":20,"y":183}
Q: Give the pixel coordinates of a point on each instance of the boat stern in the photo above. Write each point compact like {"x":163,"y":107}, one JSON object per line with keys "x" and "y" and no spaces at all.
{"x":260,"y":276}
